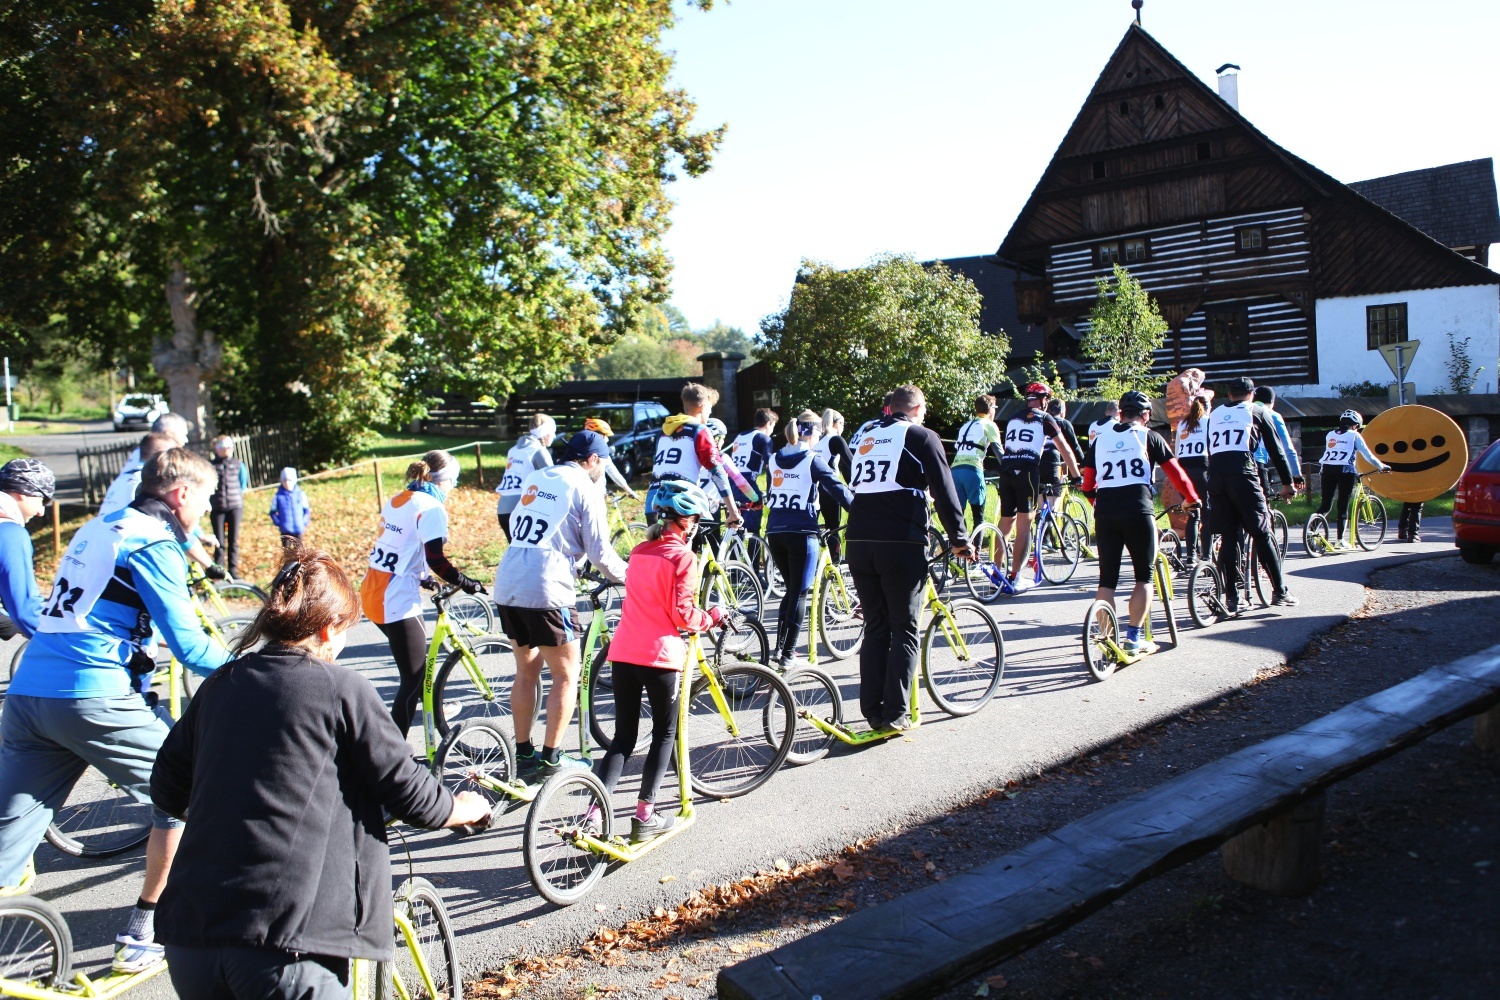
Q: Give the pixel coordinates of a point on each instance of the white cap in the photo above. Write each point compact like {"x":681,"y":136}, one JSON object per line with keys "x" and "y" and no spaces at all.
{"x":289,"y":473}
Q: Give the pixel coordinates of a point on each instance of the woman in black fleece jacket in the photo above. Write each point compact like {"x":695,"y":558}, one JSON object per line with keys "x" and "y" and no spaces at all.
{"x":282,"y":766}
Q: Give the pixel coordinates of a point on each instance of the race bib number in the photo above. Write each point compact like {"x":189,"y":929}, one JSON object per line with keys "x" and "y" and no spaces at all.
{"x":545,"y":502}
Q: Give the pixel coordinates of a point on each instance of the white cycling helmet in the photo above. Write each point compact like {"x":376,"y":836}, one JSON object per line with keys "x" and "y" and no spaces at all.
{"x":1352,"y":415}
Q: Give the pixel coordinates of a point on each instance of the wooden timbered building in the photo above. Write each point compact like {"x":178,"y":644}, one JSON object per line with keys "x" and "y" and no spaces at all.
{"x":1263,"y":265}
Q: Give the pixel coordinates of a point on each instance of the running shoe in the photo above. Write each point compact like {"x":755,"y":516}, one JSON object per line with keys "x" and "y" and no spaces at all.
{"x":1285,"y":600}
{"x":544,"y":770}
{"x":136,"y":954}
{"x":658,"y":824}
{"x":1023,"y":584}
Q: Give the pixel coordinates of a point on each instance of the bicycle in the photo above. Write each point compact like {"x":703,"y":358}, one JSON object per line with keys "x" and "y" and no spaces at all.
{"x":569,"y":839}
{"x":1057,"y":543}
{"x":1366,"y":522}
{"x":624,"y":535}
{"x":1102,"y":652}
{"x":729,"y":583}
{"x":1206,"y":593}
{"x":741,"y":545}
{"x":1074,"y":505}
{"x":37,"y":958}
{"x":962,"y":664}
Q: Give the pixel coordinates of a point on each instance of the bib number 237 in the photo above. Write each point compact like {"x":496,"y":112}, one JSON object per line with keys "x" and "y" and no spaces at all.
{"x":871,"y":471}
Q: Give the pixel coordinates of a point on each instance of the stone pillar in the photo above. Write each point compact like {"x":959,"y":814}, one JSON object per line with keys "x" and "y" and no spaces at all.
{"x":720,"y":371}
{"x":1479,"y":435}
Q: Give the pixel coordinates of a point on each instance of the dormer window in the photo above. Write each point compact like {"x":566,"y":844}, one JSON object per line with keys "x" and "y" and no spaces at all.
{"x":1205,"y":151}
{"x":1106,"y":254}
{"x":1136,"y":250}
{"x":1098,"y":170}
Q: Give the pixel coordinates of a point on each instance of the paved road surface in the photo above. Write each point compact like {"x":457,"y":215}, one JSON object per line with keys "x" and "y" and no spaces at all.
{"x":59,"y":451}
{"x":1047,"y":712}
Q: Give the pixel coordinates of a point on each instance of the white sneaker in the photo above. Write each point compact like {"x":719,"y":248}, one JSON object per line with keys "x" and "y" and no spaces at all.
{"x":1023,"y":584}
{"x":135,"y":955}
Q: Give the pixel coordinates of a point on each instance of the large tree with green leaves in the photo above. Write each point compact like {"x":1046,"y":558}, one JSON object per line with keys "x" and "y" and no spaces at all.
{"x":1126,"y":329}
{"x":847,"y":337}
{"x":329,"y":211}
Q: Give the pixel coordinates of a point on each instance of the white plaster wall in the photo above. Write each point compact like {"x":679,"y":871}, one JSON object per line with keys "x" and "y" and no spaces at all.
{"x":1471,"y":311}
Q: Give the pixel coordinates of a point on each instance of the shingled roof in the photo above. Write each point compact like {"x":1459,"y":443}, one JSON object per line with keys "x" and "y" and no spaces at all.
{"x":1455,"y":204}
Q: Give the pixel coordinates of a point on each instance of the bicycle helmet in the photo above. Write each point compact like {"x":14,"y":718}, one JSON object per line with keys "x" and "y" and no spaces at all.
{"x":680,"y":498}
{"x":1353,"y":416}
{"x":598,"y":426}
{"x":716,"y":427}
{"x":29,"y":478}
{"x":1135,"y":402}
{"x":1038,"y":389}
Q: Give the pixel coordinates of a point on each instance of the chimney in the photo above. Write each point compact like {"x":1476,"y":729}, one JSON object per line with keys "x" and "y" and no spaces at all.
{"x":1229,"y":84}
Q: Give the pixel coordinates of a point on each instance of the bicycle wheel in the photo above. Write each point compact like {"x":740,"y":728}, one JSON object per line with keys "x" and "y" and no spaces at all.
{"x":1315,"y":536}
{"x":1261,"y":578}
{"x":569,"y":803}
{"x":941,"y":569}
{"x":1164,"y":594}
{"x":841,"y":623}
{"x":430,"y":949}
{"x":1205,"y":595}
{"x":1279,"y":531}
{"x":735,"y":750}
{"x":1168,"y":543}
{"x":457,"y":697}
{"x":36,"y":947}
{"x":734,"y":587}
{"x":241,"y":596}
{"x":1370,"y":522}
{"x":1059,"y":548}
{"x":758,"y":555}
{"x":988,"y":547}
{"x":1100,"y":626}
{"x":230,"y":628}
{"x":15,"y":658}
{"x":602,"y":706}
{"x":627,"y":538}
{"x":475,"y":750}
{"x":818,"y":693}
{"x":99,"y":819}
{"x":963,"y":658}
{"x":471,"y":613}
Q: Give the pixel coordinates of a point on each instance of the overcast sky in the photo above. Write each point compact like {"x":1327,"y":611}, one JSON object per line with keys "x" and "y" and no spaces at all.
{"x":861,"y":126}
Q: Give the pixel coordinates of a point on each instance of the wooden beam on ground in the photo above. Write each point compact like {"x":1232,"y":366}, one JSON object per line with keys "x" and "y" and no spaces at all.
{"x":922,"y":943}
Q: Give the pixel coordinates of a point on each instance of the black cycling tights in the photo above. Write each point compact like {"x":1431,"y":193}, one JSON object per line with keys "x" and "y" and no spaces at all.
{"x":796,"y":557}
{"x":660,"y":686}
{"x":1337,"y":480}
{"x":408,"y":639}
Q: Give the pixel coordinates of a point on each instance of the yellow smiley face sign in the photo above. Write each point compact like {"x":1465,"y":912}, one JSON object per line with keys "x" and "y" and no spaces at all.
{"x":1425,"y":449}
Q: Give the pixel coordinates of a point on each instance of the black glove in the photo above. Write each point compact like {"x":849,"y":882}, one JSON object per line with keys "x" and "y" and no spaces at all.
{"x":215,"y":572}
{"x":469,"y":585}
{"x":1075,"y":481}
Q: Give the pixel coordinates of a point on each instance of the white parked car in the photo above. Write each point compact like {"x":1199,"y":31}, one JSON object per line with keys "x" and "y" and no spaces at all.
{"x":139,"y":411}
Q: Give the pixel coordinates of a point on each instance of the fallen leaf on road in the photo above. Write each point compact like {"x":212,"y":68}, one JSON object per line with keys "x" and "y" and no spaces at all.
{"x":996,"y":982}
{"x":983,"y":991}
{"x":608,"y":935}
{"x":1095,"y":961}
{"x":1070,"y":954}
{"x":843,"y":871}
{"x":782,"y":865}
{"x":667,"y":878}
{"x":739,"y":949}
{"x":600,"y":907}
{"x":930,"y":866}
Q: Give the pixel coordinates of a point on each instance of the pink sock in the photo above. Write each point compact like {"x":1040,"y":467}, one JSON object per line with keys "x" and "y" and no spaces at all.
{"x":644,"y":811}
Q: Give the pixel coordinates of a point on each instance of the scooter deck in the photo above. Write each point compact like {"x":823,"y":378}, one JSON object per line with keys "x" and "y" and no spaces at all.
{"x":621,"y":849}
{"x":854,"y":737}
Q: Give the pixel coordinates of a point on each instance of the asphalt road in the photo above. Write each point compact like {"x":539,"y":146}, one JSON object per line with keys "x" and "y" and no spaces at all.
{"x":1047,"y":711}
{"x":60,"y":452}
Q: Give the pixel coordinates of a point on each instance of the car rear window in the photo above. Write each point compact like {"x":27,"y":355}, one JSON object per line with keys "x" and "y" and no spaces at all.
{"x":146,"y":402}
{"x":616,"y":416}
{"x":1489,"y":461}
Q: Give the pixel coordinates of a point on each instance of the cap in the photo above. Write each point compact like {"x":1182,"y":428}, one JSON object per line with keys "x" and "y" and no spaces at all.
{"x":29,"y":478}
{"x":586,"y":443}
{"x":1241,"y":386}
{"x":289,"y":473}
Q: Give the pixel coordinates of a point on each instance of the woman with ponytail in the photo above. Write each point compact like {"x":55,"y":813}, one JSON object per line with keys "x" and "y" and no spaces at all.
{"x":289,"y":765}
{"x":414,"y":528}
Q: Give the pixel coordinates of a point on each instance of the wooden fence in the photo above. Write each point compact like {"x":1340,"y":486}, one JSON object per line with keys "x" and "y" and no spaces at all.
{"x":264,"y":450}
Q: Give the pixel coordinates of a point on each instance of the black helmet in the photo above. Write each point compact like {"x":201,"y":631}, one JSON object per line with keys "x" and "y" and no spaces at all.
{"x":1135,"y":402}
{"x":28,"y":477}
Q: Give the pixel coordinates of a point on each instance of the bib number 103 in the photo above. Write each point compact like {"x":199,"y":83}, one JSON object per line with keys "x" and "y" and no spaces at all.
{"x":528,"y":529}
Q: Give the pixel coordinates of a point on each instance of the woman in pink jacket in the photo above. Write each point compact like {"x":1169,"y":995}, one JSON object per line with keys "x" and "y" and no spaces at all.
{"x":648,"y":652}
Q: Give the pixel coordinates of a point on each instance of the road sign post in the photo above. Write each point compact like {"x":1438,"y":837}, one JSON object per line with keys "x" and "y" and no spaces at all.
{"x":1399,"y":357}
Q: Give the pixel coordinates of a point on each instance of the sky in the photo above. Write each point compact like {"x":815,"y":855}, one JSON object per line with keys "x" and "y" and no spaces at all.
{"x":857,"y":127}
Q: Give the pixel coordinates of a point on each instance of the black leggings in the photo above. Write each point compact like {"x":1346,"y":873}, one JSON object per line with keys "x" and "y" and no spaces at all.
{"x":1337,"y":480}
{"x":660,"y":686}
{"x":408,"y":639}
{"x":1197,"y":539}
{"x":505,"y":526}
{"x":1117,"y":532}
{"x":796,"y":559}
{"x":830,"y":511}
{"x":889,"y":578}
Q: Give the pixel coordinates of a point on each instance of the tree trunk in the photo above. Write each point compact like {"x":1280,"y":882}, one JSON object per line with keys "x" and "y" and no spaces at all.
{"x":189,"y":359}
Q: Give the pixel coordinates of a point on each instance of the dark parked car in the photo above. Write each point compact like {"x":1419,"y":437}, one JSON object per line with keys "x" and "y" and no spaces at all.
{"x":636,"y":427}
{"x":1476,"y":508}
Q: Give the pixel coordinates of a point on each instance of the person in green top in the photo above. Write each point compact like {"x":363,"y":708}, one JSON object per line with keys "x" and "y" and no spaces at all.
{"x":975,"y":439}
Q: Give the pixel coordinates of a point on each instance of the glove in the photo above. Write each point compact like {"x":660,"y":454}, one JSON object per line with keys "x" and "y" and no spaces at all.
{"x":716,"y":615}
{"x":469,"y":585}
{"x":1075,"y":481}
{"x":215,"y":572}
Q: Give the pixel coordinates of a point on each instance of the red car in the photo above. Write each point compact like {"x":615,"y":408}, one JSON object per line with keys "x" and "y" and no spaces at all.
{"x":1476,"y":508}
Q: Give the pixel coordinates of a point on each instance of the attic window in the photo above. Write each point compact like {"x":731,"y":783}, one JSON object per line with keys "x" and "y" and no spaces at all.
{"x":1136,"y":250}
{"x":1251,"y":239}
{"x":1098,"y":170}
{"x":1106,"y":254}
{"x":1160,"y":102}
{"x":1205,"y":151}
{"x":1124,"y":107}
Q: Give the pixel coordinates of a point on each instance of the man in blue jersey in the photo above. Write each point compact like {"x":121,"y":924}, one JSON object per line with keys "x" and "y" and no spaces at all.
{"x":76,"y":700}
